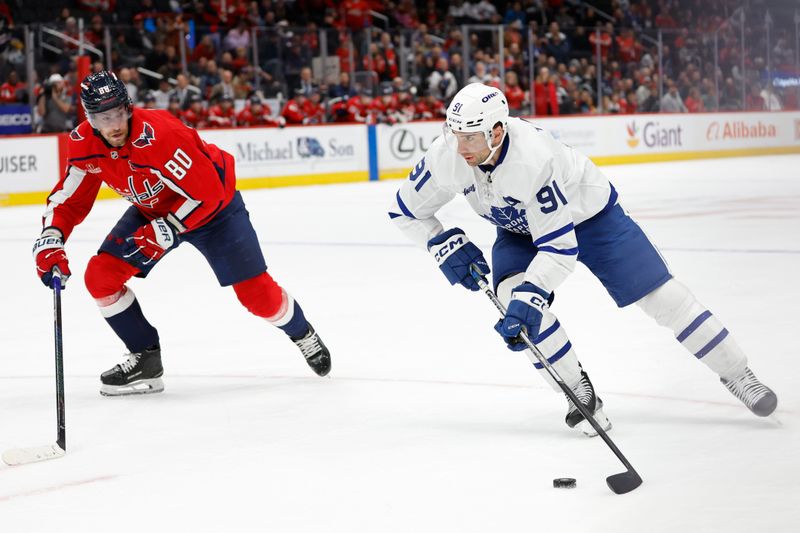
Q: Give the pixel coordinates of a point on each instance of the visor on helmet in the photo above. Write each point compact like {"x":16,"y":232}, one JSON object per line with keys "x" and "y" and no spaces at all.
{"x":466,"y":142}
{"x":114,"y":117}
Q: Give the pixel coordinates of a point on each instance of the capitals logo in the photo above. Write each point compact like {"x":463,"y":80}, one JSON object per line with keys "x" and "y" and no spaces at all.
{"x":145,"y":197}
{"x":147,"y":136}
{"x":633,"y":135}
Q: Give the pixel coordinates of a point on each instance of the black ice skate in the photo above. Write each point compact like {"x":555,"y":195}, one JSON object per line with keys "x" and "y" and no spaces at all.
{"x":584,"y":391}
{"x":140,"y":374}
{"x":317,"y":355}
{"x":755,"y":395}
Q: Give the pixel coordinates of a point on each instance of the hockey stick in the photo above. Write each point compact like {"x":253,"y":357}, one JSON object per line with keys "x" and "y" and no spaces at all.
{"x":21,"y":456}
{"x":619,"y":483}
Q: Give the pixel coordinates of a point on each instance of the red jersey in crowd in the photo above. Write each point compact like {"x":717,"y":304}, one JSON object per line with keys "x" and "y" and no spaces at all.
{"x":358,"y":108}
{"x":295,"y":110}
{"x":164,"y":169}
{"x":314,"y":110}
{"x":195,"y":116}
{"x":222,"y":115}
{"x":257,"y":115}
{"x":515,"y":97}
{"x":430,"y":108}
{"x":8,"y":92}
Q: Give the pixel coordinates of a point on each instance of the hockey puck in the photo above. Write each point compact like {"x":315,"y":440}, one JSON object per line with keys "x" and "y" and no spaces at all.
{"x":564,"y":483}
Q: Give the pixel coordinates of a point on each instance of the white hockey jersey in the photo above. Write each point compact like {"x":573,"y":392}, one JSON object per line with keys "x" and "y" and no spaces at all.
{"x":539,"y":187}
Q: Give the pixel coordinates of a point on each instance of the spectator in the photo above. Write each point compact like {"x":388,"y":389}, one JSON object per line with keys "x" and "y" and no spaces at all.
{"x":174,"y":107}
{"x":546,"y":101}
{"x":294,"y":112}
{"x":222,"y":115}
{"x":672,"y":102}
{"x":209,"y":78}
{"x":126,"y":75}
{"x":257,"y":113}
{"x":55,"y":107}
{"x":149,"y":100}
{"x":515,"y":95}
{"x":182,"y":90}
{"x":237,"y":37}
{"x":770,"y":99}
{"x":13,"y":90}
{"x":195,"y":116}
{"x":441,"y":83}
{"x":224,"y":88}
{"x":205,"y":48}
{"x":343,"y":88}
{"x":480,"y":76}
{"x":162,"y":94}
{"x":306,"y":83}
{"x":694,"y":102}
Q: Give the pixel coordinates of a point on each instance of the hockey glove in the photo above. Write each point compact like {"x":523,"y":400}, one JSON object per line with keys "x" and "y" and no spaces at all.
{"x":524,"y":314}
{"x":48,"y":251}
{"x":155,"y":238}
{"x":454,"y":254}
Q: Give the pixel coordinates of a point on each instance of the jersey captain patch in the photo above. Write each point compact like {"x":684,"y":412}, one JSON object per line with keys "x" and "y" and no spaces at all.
{"x":147,"y":136}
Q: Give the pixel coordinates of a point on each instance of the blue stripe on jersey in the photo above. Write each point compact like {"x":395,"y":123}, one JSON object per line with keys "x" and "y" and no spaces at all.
{"x":550,"y":249}
{"x":711,"y":345}
{"x":553,"y":234}
{"x":556,"y":356}
{"x":702,"y":317}
{"x":403,"y":207}
{"x":394,"y":215}
{"x":549,"y":331}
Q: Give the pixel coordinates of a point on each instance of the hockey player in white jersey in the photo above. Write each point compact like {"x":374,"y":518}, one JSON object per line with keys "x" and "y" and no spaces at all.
{"x":552,"y":207}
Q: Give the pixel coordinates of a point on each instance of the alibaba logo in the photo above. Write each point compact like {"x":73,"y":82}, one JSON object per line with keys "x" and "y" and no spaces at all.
{"x":633,"y":131}
{"x":712,"y":133}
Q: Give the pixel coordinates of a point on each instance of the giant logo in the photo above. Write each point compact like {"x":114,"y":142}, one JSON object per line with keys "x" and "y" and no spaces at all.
{"x":654,"y":135}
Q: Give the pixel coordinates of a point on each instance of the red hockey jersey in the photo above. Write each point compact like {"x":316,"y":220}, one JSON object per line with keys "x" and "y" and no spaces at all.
{"x":165,"y":169}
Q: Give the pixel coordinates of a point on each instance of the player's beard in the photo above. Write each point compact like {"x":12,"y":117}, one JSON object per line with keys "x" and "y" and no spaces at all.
{"x":117,"y":137}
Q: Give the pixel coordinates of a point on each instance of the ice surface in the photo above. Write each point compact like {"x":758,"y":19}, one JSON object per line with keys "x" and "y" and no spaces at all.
{"x":427,"y":423}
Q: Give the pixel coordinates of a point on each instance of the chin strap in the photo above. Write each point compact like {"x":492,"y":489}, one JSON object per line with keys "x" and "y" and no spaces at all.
{"x":493,"y":150}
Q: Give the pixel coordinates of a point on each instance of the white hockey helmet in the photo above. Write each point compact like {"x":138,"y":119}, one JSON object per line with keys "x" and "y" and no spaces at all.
{"x":476,"y":109}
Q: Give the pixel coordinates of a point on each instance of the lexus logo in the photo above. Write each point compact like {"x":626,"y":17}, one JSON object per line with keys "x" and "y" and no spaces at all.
{"x":405,"y":145}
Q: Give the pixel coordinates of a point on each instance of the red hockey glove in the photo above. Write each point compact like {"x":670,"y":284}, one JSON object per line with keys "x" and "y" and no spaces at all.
{"x":48,"y":251}
{"x":155,"y":238}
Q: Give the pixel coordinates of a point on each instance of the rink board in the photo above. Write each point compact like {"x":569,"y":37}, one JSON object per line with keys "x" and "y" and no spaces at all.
{"x":272,"y":157}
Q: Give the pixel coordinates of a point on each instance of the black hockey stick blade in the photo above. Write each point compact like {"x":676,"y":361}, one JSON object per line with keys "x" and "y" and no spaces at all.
{"x":624,"y":482}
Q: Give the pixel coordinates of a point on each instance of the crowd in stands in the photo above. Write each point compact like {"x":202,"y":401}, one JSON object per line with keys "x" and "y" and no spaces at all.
{"x":399,"y":60}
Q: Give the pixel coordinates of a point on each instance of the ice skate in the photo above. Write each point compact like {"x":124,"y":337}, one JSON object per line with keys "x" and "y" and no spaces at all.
{"x":315,"y":352}
{"x":755,"y":395}
{"x":140,"y":374}
{"x":584,"y":391}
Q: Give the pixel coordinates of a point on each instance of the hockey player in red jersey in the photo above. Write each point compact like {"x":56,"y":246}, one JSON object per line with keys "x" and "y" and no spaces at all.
{"x":294,"y":112}
{"x":195,"y":116}
{"x":258,"y":113}
{"x":222,"y":115}
{"x":181,"y":189}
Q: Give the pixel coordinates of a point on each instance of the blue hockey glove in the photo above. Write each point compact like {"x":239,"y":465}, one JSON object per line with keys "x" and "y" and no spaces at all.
{"x":524,"y":313}
{"x":454,"y":254}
